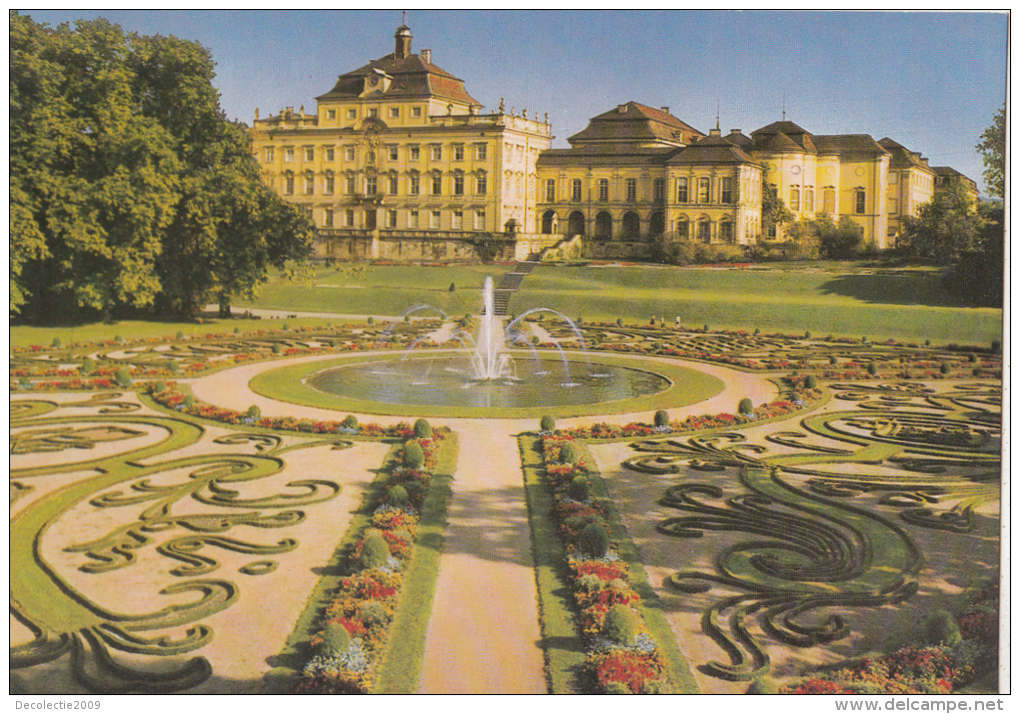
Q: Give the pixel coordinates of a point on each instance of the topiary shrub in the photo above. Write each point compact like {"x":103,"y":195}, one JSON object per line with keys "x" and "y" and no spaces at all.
{"x":188,"y":402}
{"x":593,"y":541}
{"x":374,"y":552}
{"x":88,"y":365}
{"x":253,"y":412}
{"x":972,"y":357}
{"x":763,"y":685}
{"x":833,"y":360}
{"x":569,"y":454}
{"x":422,"y":429}
{"x":547,"y":423}
{"x":621,"y":625}
{"x":56,"y":343}
{"x":174,"y":367}
{"x":619,"y":322}
{"x":277,"y":348}
{"x":159,"y":386}
{"x":118,"y":338}
{"x":414,"y":456}
{"x":335,"y":639}
{"x":180,"y":335}
{"x":944,"y":368}
{"x":122,"y":378}
{"x":371,"y":320}
{"x":453,"y":287}
{"x":372,"y":613}
{"x":578,"y":489}
{"x":810,"y":381}
{"x":397,"y":497}
{"x":807,"y":335}
{"x":286,"y":326}
{"x":662,"y":418}
{"x":746,"y":406}
{"x":24,"y":383}
{"x":350,"y":422}
{"x":940,"y":628}
{"x":872,"y":368}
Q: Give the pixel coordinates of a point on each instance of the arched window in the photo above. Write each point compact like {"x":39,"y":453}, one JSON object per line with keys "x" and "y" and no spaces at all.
{"x":683,"y":228}
{"x":726,"y":230}
{"x":437,"y":184}
{"x":603,"y":225}
{"x":575,"y":223}
{"x":309,"y":183}
{"x":481,"y":183}
{"x":288,"y":183}
{"x":795,"y":199}
{"x":631,"y":226}
{"x":656,"y":224}
{"x":413,"y":183}
{"x":548,"y":222}
{"x":328,"y":183}
{"x":458,"y":183}
{"x":392,"y":181}
{"x":704,"y":230}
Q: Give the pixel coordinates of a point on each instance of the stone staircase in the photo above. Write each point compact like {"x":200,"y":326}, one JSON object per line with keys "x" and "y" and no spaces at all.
{"x":508,"y":284}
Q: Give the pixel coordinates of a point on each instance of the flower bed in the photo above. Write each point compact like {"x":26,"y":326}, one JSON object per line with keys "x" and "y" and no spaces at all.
{"x":599,"y":584}
{"x":365,"y":601}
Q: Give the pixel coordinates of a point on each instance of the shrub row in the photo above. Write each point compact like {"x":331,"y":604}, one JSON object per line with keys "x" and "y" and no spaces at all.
{"x":355,"y":623}
{"x":621,"y":656}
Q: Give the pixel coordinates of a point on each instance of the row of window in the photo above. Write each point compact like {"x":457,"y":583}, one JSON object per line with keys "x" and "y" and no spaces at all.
{"x":373,"y":113}
{"x":371,"y":184}
{"x":828,"y":200}
{"x":413,"y":219}
{"x":703,"y":190}
{"x":392,"y":152}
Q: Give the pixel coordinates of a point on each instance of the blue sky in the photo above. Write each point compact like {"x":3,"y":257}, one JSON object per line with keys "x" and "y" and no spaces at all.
{"x":932,"y":81}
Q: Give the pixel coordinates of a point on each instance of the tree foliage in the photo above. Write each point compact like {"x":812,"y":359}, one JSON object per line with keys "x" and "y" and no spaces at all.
{"x":822,"y":236}
{"x":943,"y":228}
{"x":128,"y":187}
{"x":993,"y":153}
{"x":773,"y":211}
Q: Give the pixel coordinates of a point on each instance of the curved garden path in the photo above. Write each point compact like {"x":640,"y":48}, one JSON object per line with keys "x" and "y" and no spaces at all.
{"x":483,"y":635}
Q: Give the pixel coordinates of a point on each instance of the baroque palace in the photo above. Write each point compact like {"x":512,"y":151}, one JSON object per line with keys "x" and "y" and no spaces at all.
{"x":398,"y":162}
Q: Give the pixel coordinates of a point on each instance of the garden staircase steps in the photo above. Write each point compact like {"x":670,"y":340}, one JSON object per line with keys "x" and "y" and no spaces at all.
{"x":508,"y":284}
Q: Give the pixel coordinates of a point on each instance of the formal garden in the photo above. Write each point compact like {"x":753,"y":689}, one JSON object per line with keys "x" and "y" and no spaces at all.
{"x":778,"y":511}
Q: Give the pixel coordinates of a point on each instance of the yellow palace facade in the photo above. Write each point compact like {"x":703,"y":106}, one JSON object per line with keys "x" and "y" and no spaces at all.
{"x":398,"y":161}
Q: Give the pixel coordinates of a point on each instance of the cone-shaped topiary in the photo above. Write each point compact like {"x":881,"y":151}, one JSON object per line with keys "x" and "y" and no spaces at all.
{"x":122,"y":378}
{"x":397,"y":497}
{"x":746,"y":406}
{"x":374,"y":552}
{"x":578,"y":489}
{"x":335,"y":639}
{"x":662,"y":418}
{"x":253,"y":412}
{"x":422,"y":429}
{"x":569,"y":454}
{"x":944,"y":368}
{"x":620,"y":625}
{"x":414,"y":456}
{"x":872,"y":368}
{"x":810,"y":381}
{"x":593,"y":541}
{"x":350,"y":422}
{"x":88,"y":365}
{"x":940,"y":628}
{"x":547,"y":423}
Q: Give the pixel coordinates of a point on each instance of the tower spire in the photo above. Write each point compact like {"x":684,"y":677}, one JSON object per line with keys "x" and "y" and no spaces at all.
{"x":717,"y":115}
{"x":784,"y":106}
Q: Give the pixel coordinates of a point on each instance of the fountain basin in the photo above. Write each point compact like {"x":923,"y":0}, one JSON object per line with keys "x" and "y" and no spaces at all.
{"x":438,"y":383}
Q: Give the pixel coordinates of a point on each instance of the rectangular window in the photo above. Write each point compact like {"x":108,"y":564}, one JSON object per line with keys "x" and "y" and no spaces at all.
{"x":416,"y":111}
{"x":809,"y":200}
{"x":681,"y":190}
{"x":391,"y":187}
{"x":309,"y":184}
{"x":331,"y":113}
{"x":726,"y":232}
{"x":550,"y":190}
{"x":705,"y":232}
{"x":349,"y":153}
{"x":352,"y":113}
{"x":350,"y":186}
{"x":392,"y":152}
{"x":458,"y":220}
{"x":349,"y":218}
{"x":309,"y":153}
{"x":828,"y":200}
{"x":327,"y":184}
{"x":458,"y":152}
{"x":391,"y":219}
{"x":859,"y":201}
{"x":795,"y":199}
{"x":893,"y":177}
{"x":683,"y":229}
{"x":437,"y":184}
{"x":631,"y":189}
{"x":458,"y":184}
{"x":370,"y":185}
{"x":269,"y":154}
{"x":603,"y":190}
{"x":329,"y":153}
{"x":481,"y":184}
{"x":288,"y":153}
{"x":394,"y":112}
{"x":704,"y":190}
{"x":659,"y":189}
{"x":894,"y":205}
{"x":436,"y":152}
{"x":373,"y":113}
{"x":480,"y":152}
{"x":414,"y":153}
{"x":575,"y":190}
{"x":288,"y":184}
{"x":479,"y":220}
{"x":327,"y":218}
{"x":415,"y":185}
{"x":412,"y":219}
{"x":434,"y":217}
{"x":726,"y":191}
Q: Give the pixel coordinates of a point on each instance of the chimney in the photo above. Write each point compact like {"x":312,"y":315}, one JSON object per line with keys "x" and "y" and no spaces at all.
{"x":665,"y":109}
{"x":734,"y":131}
{"x":426,"y":55}
{"x":402,"y":45}
{"x":714,"y":132}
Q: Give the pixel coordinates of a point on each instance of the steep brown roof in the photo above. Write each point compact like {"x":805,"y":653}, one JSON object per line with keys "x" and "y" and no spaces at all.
{"x":902,"y":157}
{"x":848,"y":144}
{"x":635,"y":123}
{"x":738,"y":138}
{"x":605,"y":156}
{"x":778,"y":142}
{"x":412,"y":77}
{"x":771,"y":137}
{"x":711,"y":150}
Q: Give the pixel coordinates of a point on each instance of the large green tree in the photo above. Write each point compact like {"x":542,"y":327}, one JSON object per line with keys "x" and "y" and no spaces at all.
{"x":943,"y":228}
{"x":993,"y":153}
{"x":128,"y":186}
